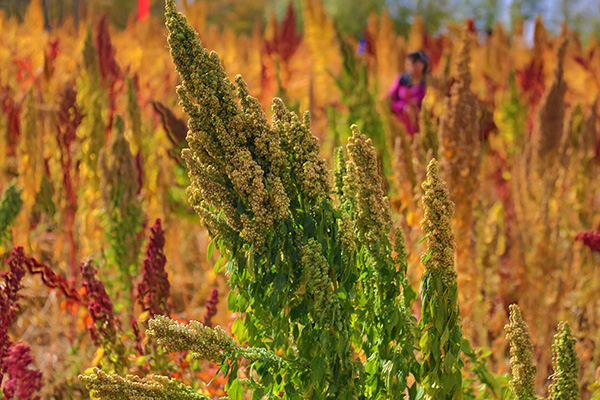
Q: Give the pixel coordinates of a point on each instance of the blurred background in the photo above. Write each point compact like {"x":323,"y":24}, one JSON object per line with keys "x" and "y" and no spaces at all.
{"x":350,"y":15}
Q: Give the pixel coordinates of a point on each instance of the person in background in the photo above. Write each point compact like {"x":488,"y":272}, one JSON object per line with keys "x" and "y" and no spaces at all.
{"x":408,"y":90}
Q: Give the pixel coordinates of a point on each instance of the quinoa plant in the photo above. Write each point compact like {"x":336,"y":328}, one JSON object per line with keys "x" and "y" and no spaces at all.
{"x":566,"y":365}
{"x":120,"y":191}
{"x":153,"y":290}
{"x":10,"y":206}
{"x":591,"y":239}
{"x":17,"y":378}
{"x":320,"y":289}
{"x":357,"y":94}
{"x":521,"y":361}
{"x":441,"y":338}
{"x":317,"y":284}
{"x":69,"y":117}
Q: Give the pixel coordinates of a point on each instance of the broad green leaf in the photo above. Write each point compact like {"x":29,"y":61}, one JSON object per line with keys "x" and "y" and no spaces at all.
{"x":235,"y":390}
{"x":210,"y":249}
{"x":318,"y":368}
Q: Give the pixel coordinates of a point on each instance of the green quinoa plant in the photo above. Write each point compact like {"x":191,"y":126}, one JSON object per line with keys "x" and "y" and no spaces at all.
{"x":120,"y":192}
{"x":565,"y":362}
{"x":521,"y":351}
{"x":356,"y":88}
{"x":566,"y":366}
{"x":441,"y":339}
{"x":10,"y":206}
{"x":320,"y":289}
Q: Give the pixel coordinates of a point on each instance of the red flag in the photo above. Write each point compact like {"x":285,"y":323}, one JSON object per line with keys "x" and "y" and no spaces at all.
{"x":143,"y":9}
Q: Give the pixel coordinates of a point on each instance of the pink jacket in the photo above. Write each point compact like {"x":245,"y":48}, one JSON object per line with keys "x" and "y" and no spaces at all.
{"x":401,"y":94}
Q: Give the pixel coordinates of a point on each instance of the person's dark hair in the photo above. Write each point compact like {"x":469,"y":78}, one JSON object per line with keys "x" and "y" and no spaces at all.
{"x":422,"y":57}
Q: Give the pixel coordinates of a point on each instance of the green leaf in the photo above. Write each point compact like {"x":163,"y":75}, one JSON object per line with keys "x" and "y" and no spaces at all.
{"x":424,"y":342}
{"x":229,"y":267}
{"x":250,"y":261}
{"x":232,"y":299}
{"x":238,"y":330}
{"x":416,"y":392}
{"x":371,"y":365}
{"x":211,"y":249}
{"x":318,"y":368}
{"x":427,"y":257}
{"x":290,"y":391}
{"x":235,"y":390}
{"x":448,"y":362}
{"x":280,"y":281}
{"x":258,"y":394}
{"x":444,"y":337}
{"x":225,"y":367}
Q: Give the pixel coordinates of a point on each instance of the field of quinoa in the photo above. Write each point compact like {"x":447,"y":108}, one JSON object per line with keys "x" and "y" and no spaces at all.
{"x":194,"y":211}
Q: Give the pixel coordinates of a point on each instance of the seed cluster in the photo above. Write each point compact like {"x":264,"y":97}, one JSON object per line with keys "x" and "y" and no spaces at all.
{"x":566,"y":365}
{"x":316,"y":269}
{"x":521,"y":352}
{"x":153,"y":387}
{"x":436,"y":224}
{"x":363,"y":188}
{"x":240,"y":166}
{"x":206,"y":343}
{"x":460,"y":149}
